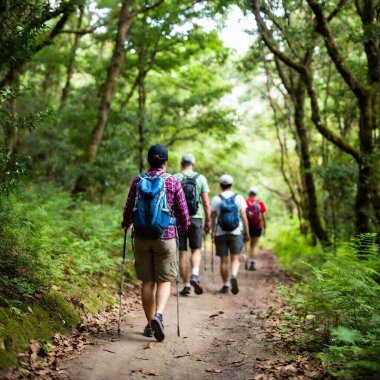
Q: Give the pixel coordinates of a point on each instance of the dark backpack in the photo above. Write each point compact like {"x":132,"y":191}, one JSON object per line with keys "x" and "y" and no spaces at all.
{"x":254,"y":214}
{"x":151,"y":214}
{"x":189,"y":186}
{"x":229,"y":218}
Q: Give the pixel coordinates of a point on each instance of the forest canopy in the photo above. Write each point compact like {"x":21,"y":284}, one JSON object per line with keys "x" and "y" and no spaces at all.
{"x":86,"y":86}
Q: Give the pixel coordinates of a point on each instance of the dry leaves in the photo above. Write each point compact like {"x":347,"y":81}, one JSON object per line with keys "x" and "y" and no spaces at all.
{"x":39,"y":362}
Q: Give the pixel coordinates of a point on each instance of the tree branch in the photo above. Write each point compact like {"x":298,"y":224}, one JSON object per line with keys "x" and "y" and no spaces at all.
{"x":324,"y":30}
{"x":336,"y":10}
{"x":266,"y":36}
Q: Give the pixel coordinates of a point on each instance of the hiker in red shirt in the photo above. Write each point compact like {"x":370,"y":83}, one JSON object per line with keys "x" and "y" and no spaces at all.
{"x":257,"y":225}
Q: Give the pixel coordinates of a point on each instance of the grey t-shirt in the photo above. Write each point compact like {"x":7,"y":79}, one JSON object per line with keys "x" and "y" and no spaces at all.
{"x":202,"y":187}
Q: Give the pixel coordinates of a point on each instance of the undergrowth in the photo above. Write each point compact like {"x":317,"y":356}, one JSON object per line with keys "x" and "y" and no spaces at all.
{"x":336,"y":304}
{"x":58,"y":256}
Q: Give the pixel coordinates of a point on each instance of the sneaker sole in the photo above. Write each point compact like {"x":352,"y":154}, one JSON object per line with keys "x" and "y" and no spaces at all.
{"x":234,"y":286}
{"x":158,"y":329}
{"x":197,"y":288}
{"x":148,"y":335}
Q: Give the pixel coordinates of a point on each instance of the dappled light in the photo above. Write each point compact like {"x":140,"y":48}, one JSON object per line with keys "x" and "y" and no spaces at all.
{"x":234,"y":145}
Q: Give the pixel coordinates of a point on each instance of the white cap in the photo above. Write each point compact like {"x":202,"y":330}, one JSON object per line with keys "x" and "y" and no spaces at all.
{"x":226,"y":179}
{"x":253,"y":190}
{"x":188,"y":159}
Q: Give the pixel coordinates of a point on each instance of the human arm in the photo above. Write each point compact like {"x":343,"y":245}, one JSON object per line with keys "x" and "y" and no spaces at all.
{"x":244,"y":218}
{"x":264,"y":221}
{"x":207,"y":209}
{"x":213,"y":224}
{"x":129,"y":205}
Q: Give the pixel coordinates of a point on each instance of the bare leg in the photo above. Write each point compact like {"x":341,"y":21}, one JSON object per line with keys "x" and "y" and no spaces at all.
{"x":235,"y":264}
{"x":162,"y":295}
{"x":183,"y":268}
{"x":224,"y":268}
{"x":254,"y":247}
{"x":148,"y":298}
{"x":196,"y":258}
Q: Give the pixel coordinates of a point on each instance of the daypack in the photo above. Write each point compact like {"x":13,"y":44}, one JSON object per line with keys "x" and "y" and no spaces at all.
{"x":151,"y":214}
{"x":189,"y":186}
{"x":229,"y":218}
{"x":254,"y":214}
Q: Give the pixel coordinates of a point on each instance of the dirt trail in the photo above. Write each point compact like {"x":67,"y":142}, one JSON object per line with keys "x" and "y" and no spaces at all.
{"x":221,"y":335}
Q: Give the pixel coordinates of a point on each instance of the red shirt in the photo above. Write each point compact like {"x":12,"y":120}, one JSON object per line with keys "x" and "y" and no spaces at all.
{"x":176,"y":202}
{"x":263,"y":209}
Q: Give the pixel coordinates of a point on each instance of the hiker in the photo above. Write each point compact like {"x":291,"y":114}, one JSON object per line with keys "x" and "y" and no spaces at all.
{"x":257,"y":224}
{"x":155,"y":234}
{"x":228,"y":221}
{"x":196,"y":191}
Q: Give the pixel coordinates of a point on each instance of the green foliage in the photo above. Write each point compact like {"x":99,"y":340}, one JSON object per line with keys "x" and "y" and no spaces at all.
{"x":47,"y":238}
{"x":339,"y":309}
{"x":294,"y":250}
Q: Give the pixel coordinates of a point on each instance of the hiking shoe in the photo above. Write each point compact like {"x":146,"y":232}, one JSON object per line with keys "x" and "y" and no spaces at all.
{"x":225,"y":289}
{"x":148,"y":331}
{"x":158,"y":328}
{"x":194,"y":281}
{"x":185,"y":291}
{"x":234,"y":286}
{"x":252,"y":266}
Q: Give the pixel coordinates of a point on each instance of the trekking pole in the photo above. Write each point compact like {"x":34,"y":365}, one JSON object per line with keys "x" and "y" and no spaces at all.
{"x":204,"y":252}
{"x":177,"y":289}
{"x":212,"y":256}
{"x":246,"y":260}
{"x":121,"y":282}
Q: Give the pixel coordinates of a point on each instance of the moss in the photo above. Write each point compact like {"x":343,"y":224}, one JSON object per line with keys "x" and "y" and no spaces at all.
{"x":35,"y":321}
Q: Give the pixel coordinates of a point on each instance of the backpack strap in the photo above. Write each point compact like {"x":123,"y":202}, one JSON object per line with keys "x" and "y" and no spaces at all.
{"x":221,"y":197}
{"x":165,"y":176}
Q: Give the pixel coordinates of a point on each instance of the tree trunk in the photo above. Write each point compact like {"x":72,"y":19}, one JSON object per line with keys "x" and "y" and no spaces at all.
{"x":306,"y":166}
{"x":107,"y":91}
{"x":71,"y":63}
{"x":367,"y":184}
{"x":141,"y":117}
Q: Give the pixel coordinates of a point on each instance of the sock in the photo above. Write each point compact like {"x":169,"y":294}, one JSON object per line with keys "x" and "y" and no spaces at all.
{"x":195,"y":271}
{"x":251,"y":261}
{"x":233,"y":275}
{"x":159,"y":315}
{"x":226,"y":284}
{"x":187,"y":284}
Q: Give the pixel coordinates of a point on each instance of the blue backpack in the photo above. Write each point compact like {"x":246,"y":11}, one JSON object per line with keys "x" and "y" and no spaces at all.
{"x":151,"y":214}
{"x":229,"y":218}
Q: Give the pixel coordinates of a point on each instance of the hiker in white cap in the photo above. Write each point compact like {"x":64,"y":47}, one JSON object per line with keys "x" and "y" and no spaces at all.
{"x":196,"y":191}
{"x":228,"y":221}
{"x":257,"y":224}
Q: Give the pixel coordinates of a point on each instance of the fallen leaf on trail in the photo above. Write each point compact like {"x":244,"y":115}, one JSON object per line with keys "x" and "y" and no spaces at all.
{"x":221,"y":312}
{"x":260,"y":376}
{"x":144,"y":372}
{"x":181,"y":356}
{"x":213,"y":315}
{"x":149,"y":345}
{"x":214,"y":370}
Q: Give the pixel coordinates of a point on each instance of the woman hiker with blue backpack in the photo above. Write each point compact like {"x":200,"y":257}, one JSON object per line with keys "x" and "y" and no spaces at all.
{"x":228,"y":221}
{"x":156,"y":206}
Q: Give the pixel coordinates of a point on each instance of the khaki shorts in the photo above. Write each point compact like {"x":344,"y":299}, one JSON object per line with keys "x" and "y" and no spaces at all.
{"x":156,"y":259}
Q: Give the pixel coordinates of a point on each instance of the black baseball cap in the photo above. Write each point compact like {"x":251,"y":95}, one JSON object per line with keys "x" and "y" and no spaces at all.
{"x":157,"y":155}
